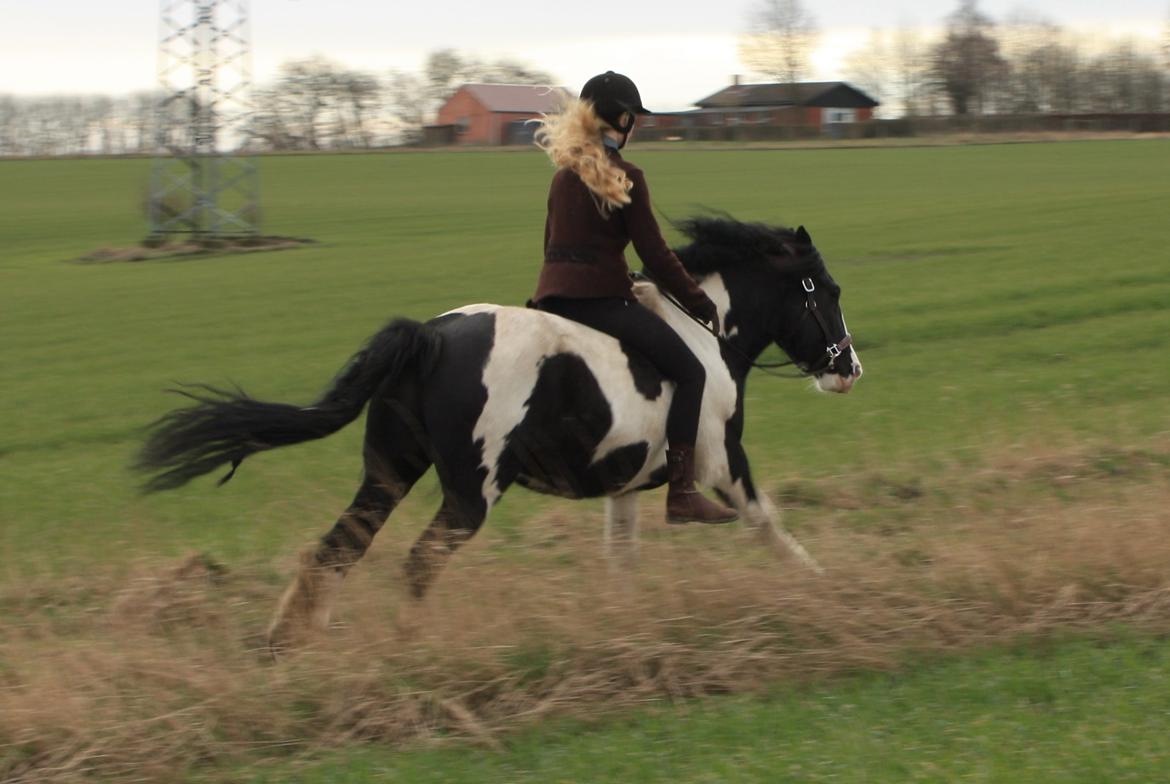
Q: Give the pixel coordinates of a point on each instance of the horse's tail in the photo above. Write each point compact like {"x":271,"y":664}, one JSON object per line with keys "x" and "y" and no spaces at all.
{"x":226,"y":426}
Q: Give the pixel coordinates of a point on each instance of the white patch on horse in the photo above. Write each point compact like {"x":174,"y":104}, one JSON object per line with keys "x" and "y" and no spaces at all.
{"x":524,"y":338}
{"x":635,"y":419}
{"x":718,"y":393}
{"x":471,"y":310}
{"x":719,"y":294}
{"x":509,"y":376}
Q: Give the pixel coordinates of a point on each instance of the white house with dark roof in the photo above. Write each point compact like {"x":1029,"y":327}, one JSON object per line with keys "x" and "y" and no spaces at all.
{"x":810,"y":105}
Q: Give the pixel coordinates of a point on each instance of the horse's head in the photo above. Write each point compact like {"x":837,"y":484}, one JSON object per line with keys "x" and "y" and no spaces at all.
{"x":809,"y":325}
{"x":776,"y":290}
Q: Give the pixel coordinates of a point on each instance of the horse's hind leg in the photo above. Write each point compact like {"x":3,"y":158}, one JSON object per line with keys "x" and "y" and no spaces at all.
{"x":308,"y":600}
{"x":454,"y":523}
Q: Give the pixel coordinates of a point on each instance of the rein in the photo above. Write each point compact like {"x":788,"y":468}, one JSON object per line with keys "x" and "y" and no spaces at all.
{"x":827,"y":361}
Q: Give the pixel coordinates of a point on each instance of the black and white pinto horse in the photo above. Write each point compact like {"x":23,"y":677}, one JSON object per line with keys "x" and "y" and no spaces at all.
{"x":493,"y":396}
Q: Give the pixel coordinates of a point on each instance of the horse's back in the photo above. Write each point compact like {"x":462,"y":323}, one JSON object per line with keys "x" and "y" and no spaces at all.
{"x":525,"y":331}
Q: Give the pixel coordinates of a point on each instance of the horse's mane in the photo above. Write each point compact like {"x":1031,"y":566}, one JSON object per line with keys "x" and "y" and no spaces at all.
{"x":720,"y":241}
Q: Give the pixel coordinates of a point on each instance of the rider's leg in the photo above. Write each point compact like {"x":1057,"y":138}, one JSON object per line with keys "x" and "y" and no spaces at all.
{"x":648,"y":334}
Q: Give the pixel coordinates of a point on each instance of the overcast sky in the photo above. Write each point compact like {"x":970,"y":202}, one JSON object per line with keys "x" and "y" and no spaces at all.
{"x":677,"y":50}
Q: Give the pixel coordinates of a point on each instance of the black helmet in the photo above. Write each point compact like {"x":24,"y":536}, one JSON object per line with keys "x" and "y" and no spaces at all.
{"x":613,"y":95}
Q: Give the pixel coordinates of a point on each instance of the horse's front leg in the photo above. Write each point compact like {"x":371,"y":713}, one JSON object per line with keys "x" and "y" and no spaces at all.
{"x":621,"y":531}
{"x":756,"y":510}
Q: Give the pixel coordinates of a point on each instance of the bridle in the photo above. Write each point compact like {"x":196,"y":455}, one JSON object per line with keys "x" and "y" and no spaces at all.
{"x":828,"y":360}
{"x":825,"y":363}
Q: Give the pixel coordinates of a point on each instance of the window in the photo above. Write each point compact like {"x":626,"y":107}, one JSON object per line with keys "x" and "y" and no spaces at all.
{"x":835,"y":116}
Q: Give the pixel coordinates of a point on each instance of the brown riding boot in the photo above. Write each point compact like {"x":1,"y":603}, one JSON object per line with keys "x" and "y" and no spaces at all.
{"x":684,"y":503}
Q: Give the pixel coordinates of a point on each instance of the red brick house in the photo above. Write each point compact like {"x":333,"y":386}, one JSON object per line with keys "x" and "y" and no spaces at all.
{"x":494,"y":114}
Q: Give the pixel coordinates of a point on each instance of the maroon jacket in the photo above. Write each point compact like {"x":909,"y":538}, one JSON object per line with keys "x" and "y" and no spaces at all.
{"x":583,"y":249}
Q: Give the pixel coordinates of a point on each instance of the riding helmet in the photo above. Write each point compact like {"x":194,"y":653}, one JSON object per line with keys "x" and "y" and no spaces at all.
{"x":613,"y":95}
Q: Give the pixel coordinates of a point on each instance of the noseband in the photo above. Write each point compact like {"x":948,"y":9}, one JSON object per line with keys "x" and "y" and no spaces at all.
{"x":828,"y":360}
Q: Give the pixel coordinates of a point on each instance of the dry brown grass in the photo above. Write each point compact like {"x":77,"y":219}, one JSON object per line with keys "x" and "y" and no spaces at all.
{"x":137,"y":679}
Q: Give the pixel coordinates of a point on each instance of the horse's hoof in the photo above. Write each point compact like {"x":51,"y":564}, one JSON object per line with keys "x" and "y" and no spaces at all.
{"x":285,"y":638}
{"x":409,"y":619}
{"x":278,"y":648}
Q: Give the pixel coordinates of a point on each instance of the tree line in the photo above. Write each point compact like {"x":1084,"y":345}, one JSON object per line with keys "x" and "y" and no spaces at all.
{"x":1023,"y":65}
{"x":312,"y":104}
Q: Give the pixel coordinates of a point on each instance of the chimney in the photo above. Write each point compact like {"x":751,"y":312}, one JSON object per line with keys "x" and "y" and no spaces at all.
{"x":735,"y":80}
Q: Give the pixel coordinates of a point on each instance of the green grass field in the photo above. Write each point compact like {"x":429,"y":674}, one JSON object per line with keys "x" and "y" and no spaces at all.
{"x":1067,"y":714}
{"x":1008,"y":302}
{"x":999,"y":295}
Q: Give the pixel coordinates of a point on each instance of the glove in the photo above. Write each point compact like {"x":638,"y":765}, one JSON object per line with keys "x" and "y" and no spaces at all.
{"x":705,"y":310}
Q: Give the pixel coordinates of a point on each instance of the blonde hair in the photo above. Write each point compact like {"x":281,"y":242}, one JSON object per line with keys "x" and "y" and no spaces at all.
{"x":572,"y":140}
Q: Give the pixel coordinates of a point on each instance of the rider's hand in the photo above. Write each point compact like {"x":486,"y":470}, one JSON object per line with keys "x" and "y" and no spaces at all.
{"x":706,"y":311}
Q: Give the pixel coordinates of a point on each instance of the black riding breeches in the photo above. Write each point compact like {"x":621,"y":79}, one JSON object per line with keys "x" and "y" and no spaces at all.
{"x":660,"y":345}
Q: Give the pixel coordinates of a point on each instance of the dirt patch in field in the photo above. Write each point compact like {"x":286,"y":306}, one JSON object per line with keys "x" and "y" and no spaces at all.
{"x":188,"y":249}
{"x":138,"y":678}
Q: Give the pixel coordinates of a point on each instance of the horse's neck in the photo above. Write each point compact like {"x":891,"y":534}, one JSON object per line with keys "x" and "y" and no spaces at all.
{"x":746,"y":346}
{"x":745,"y":337}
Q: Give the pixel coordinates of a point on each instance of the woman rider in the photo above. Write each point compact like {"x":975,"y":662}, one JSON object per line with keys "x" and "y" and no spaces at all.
{"x":597,"y":204}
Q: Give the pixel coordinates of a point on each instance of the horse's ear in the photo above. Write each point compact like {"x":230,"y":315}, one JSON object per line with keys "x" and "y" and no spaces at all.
{"x":802,"y":235}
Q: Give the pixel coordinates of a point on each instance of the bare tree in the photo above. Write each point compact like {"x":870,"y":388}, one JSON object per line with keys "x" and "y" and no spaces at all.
{"x":268,"y":127}
{"x":358,"y":98}
{"x":306,"y":91}
{"x":413,"y":99}
{"x":316,"y":104}
{"x":783,"y":34}
{"x":1166,"y":53}
{"x":141,"y":119}
{"x":446,"y":70}
{"x":510,"y":72}
{"x":967,"y":63}
{"x":1060,"y":72}
{"x":9,"y":114}
{"x":407,"y":103}
{"x":871,"y":68}
{"x":910,"y":67}
{"x":1125,"y":79}
{"x":1025,"y":42}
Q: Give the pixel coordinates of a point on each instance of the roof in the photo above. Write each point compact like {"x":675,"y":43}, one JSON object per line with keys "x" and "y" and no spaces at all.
{"x":835,"y":94}
{"x":518,"y":97}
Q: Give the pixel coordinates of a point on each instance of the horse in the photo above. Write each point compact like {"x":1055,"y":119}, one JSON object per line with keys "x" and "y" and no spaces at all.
{"x":492,"y":396}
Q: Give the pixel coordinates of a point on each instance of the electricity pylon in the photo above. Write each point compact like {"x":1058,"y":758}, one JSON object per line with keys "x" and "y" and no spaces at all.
{"x":204,"y":183}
